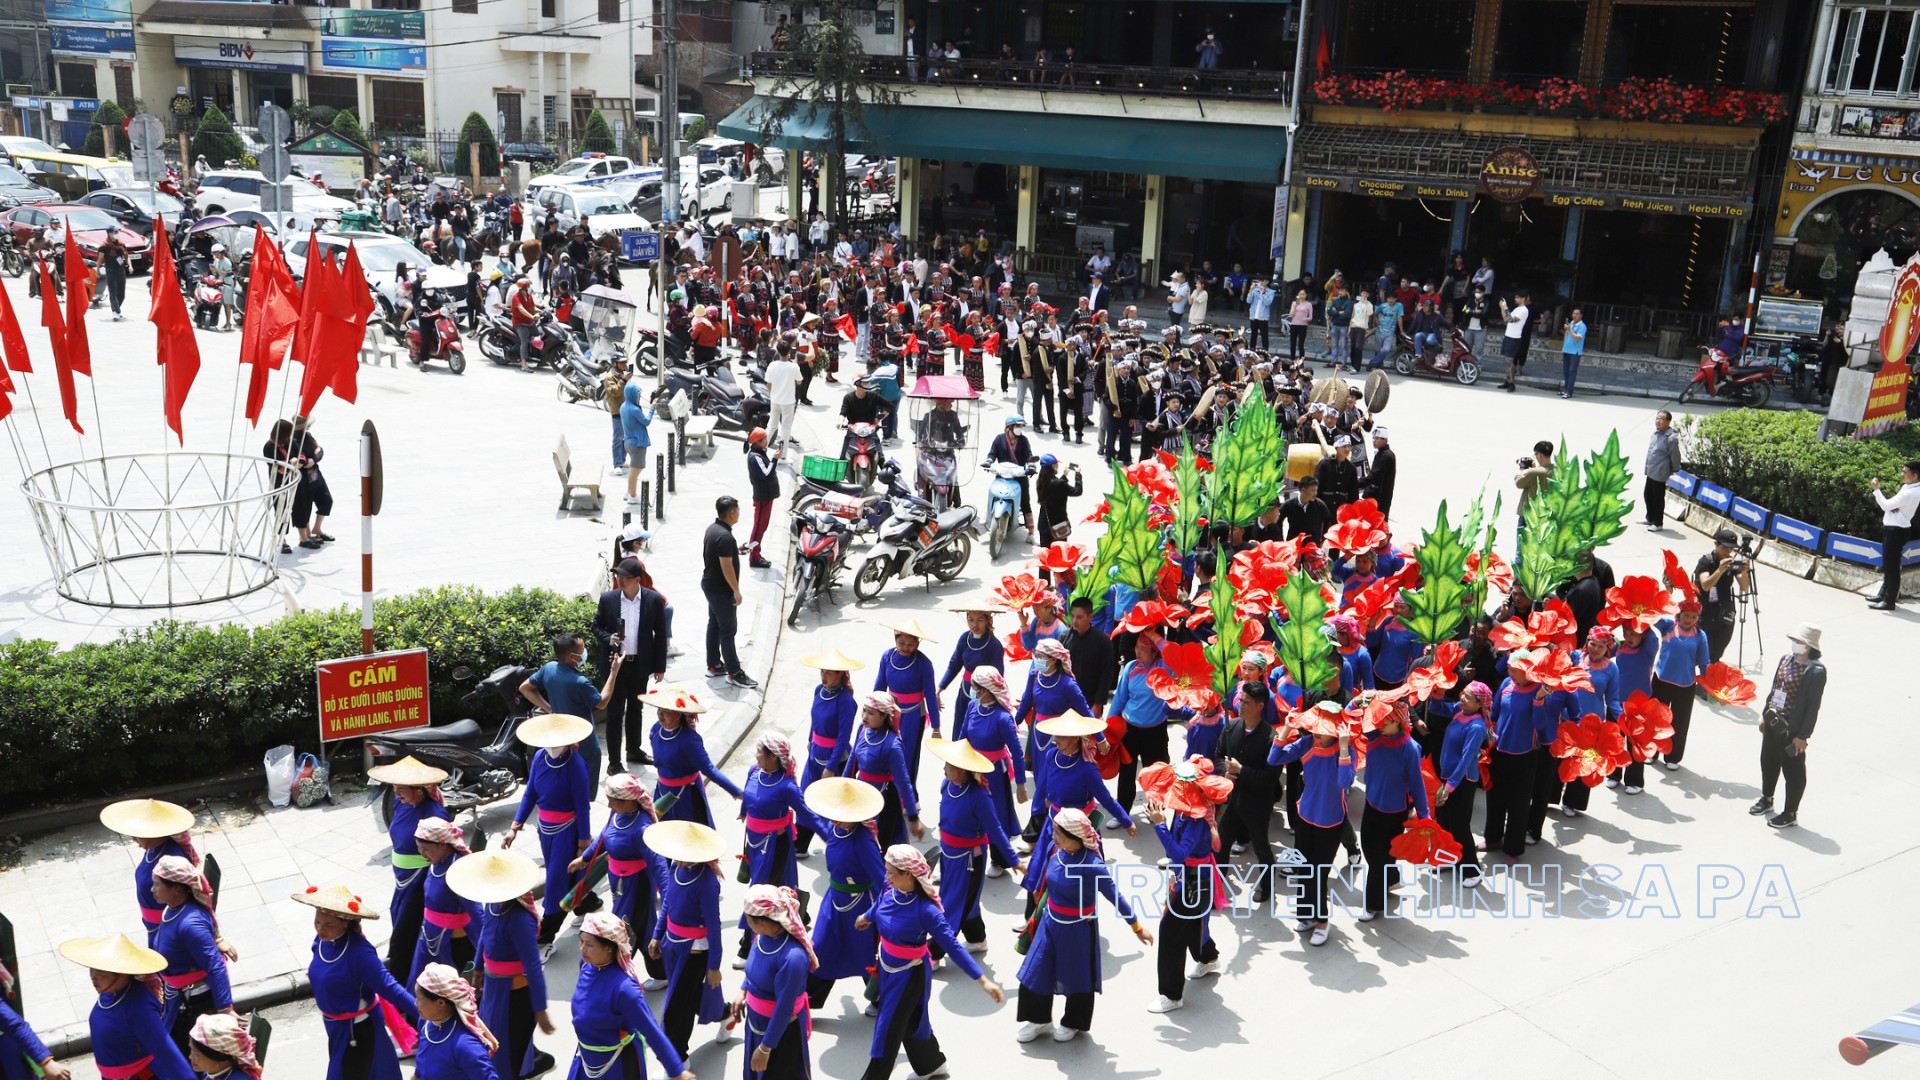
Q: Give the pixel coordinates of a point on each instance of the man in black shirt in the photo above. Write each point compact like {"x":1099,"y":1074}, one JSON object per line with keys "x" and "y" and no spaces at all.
{"x":1093,"y":656}
{"x":1584,"y":597}
{"x":1717,"y":594}
{"x":720,"y":582}
{"x":1378,"y":485}
{"x":1307,"y":514}
{"x":1339,"y":479}
{"x":861,"y":405}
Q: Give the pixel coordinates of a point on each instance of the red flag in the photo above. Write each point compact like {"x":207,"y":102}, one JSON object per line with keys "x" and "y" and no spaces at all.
{"x":992,"y":345}
{"x":57,"y":337}
{"x":13,"y":339}
{"x":913,"y":344}
{"x":79,"y":351}
{"x":340,"y":326}
{"x":311,"y":293}
{"x":176,"y":348}
{"x":273,"y":310}
{"x":964,"y":342}
{"x":845,"y":325}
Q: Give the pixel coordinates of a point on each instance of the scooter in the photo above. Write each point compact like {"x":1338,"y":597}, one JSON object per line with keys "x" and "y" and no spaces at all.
{"x":712,"y":391}
{"x":447,"y":345}
{"x":1459,"y":363}
{"x":1750,"y":385}
{"x":864,"y":511}
{"x":821,"y":539}
{"x":862,"y":451}
{"x":1003,"y":501}
{"x":579,"y":375}
{"x":477,"y":772}
{"x":917,"y":540}
{"x":207,"y":290}
{"x":937,"y":474}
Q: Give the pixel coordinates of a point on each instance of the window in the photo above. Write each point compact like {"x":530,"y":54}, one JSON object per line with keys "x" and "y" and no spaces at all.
{"x":508,"y":106}
{"x":77,"y":80}
{"x":1872,"y":52}
{"x":123,"y":88}
{"x":609,"y":10}
{"x":334,"y":92}
{"x":466,"y":7}
{"x":1540,"y":38}
{"x":399,"y":106}
{"x":546,"y":9}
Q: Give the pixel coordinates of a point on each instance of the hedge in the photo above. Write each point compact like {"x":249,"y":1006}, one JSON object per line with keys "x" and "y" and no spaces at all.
{"x":177,"y":700}
{"x":215,"y":139}
{"x":1776,"y":459}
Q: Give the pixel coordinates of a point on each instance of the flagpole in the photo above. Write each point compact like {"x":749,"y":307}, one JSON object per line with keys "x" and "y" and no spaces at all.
{"x":45,"y":450}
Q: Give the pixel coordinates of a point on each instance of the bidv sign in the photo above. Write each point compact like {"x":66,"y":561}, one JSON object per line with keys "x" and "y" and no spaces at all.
{"x":240,"y":55}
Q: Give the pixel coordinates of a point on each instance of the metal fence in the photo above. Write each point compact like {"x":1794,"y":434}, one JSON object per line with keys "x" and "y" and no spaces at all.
{"x":1255,"y":84}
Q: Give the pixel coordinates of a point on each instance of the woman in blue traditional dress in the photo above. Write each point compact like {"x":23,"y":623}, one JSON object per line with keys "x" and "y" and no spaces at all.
{"x":969,"y":828}
{"x":875,"y":755}
{"x":773,"y":1000}
{"x":454,"y":1043}
{"x":129,"y":1039}
{"x":907,"y":673}
{"x":770,"y":805}
{"x":855,"y":874}
{"x":688,"y":928}
{"x":160,"y":828}
{"x":513,"y":993}
{"x":450,"y":927}
{"x":987,"y":726}
{"x":611,"y":1019}
{"x":680,"y":757}
{"x":1064,"y":958}
{"x":836,"y":708}
{"x":363,"y":1007}
{"x":559,"y":796}
{"x":416,"y":797}
{"x":631,"y":874}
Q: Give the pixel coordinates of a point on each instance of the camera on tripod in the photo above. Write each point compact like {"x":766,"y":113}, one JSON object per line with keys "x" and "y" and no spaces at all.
{"x":1742,"y":558}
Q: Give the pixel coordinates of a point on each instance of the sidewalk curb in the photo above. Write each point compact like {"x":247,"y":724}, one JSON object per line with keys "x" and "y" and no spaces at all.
{"x":741,"y":716}
{"x":49,"y":819}
{"x":76,"y":1040}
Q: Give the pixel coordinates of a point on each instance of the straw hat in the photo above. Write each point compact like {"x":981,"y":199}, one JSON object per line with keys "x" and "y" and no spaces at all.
{"x":146,"y":819}
{"x":115,"y":954}
{"x":409,"y":771}
{"x":1072,"y":723}
{"x":844,"y":799}
{"x":685,"y":841}
{"x":960,"y":753}
{"x":493,"y":876}
{"x":980,"y":601}
{"x":1806,"y":634}
{"x":554,"y":730}
{"x":834,"y":660}
{"x":340,"y":900}
{"x":673,"y":699}
{"x":912,"y":628}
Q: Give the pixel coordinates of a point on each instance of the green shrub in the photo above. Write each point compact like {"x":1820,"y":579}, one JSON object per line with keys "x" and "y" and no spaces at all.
{"x":1776,"y":459}
{"x":695,"y":131}
{"x":177,"y":701}
{"x":215,"y":139}
{"x":476,"y":130}
{"x":110,"y":115}
{"x":346,"y":125}
{"x":596,"y":136}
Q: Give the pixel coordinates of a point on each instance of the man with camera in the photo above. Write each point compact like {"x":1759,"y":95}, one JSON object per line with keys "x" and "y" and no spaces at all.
{"x":1722,"y":575}
{"x":1786,"y":723}
{"x":1898,"y":513}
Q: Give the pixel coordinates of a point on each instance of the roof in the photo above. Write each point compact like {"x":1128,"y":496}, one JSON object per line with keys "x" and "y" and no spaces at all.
{"x":218,"y":13}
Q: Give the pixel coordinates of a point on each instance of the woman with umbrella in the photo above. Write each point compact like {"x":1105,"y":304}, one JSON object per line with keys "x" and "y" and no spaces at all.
{"x":416,"y":798}
{"x":362,"y":1005}
{"x":513,"y":990}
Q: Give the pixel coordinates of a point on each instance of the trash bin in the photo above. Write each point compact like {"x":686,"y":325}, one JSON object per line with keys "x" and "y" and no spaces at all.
{"x":1613,"y":335}
{"x":1668,"y":345}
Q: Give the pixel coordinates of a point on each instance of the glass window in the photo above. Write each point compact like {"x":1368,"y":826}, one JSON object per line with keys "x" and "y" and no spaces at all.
{"x":1871,"y":52}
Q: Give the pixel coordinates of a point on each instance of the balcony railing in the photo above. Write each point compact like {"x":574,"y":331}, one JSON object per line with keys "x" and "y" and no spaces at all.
{"x":1655,"y":100}
{"x":1245,"y":85}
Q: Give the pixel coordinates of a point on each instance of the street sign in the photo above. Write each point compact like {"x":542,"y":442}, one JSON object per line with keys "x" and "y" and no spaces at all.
{"x":147,"y":139}
{"x":275,"y":130}
{"x":640,"y":246}
{"x":276,"y":198}
{"x":366,"y":695}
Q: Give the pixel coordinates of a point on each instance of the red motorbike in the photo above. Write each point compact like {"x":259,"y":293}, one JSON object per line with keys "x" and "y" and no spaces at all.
{"x":446,"y":347}
{"x":862,"y":451}
{"x":821,"y":538}
{"x":1459,"y":364}
{"x":1719,"y":377}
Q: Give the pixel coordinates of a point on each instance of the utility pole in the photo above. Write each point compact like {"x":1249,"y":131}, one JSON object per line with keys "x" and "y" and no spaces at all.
{"x":669,"y":112}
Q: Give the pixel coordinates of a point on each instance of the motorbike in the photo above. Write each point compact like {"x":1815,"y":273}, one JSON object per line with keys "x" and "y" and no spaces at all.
{"x":864,"y":510}
{"x":937,"y":471}
{"x":821,"y":540}
{"x":446,"y":347}
{"x":1719,"y":377}
{"x":13,"y":262}
{"x":1797,"y":368}
{"x":862,"y":451}
{"x":712,"y":391}
{"x":1003,"y":501}
{"x":579,"y":374}
{"x":206,"y":300}
{"x":478,"y":771}
{"x":551,"y":341}
{"x":1459,"y":363}
{"x":917,"y":539}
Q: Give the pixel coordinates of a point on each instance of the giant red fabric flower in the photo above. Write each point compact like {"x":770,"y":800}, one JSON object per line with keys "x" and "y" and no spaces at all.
{"x":1153,"y":479}
{"x":1100,"y":512}
{"x":1499,"y":574}
{"x":1266,"y":565}
{"x":1551,"y":668}
{"x":1063,"y":557}
{"x":1678,"y":578}
{"x":1424,"y":682}
{"x":1185,"y":787}
{"x":1371,"y":708}
{"x":1116,"y":753}
{"x":1355,"y":536}
{"x":1512,"y":636}
{"x":1639,"y":602}
{"x":1016,"y":649}
{"x":1365,"y":511}
{"x":1589,"y":751}
{"x":1432,"y":781}
{"x":1150,"y":615}
{"x":1167,"y":581}
{"x":1184,"y":678}
{"x":1021,"y":591}
{"x":1554,"y":625}
{"x":1647,"y":725}
{"x":1724,"y":683}
{"x":1424,"y":843}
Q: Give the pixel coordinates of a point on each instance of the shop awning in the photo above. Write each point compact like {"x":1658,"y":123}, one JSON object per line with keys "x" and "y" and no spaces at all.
{"x":1709,"y":180}
{"x":1190,"y":148}
{"x":201,"y":14}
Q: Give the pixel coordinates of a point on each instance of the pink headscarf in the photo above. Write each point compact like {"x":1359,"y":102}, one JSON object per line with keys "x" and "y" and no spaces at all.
{"x":443,"y":982}
{"x":907,"y":859}
{"x":1075,"y":821}
{"x":778,"y":746}
{"x":882,"y":702}
{"x":607,"y":926}
{"x":226,"y":1033}
{"x":1051,"y":649}
{"x":179,"y":871}
{"x":782,"y":905}
{"x":442,"y":831}
{"x":995,"y":684}
{"x":628,"y":788}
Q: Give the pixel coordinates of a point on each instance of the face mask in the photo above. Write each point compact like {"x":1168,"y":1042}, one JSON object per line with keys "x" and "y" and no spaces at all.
{"x":1799,"y":649}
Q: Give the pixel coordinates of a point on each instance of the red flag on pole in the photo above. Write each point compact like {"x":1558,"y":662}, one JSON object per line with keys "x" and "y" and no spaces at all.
{"x":354,"y":296}
{"x":315,"y":294}
{"x":845,"y":325}
{"x":273,"y":311}
{"x":12,"y":339}
{"x":176,"y":348}
{"x":79,"y":351}
{"x":57,"y":337}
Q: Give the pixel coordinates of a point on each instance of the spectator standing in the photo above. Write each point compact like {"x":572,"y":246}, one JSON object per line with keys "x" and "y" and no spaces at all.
{"x":1897,"y":527}
{"x":113,"y":267}
{"x":720,"y":581}
{"x":1177,"y":293}
{"x":1386,"y":316}
{"x":1339,"y":311}
{"x":1472,"y":321}
{"x":1381,"y":474}
{"x":1198,"y":301}
{"x":1259,"y":314}
{"x":613,"y":394}
{"x":635,"y":416}
{"x":1718,"y":595}
{"x":764,"y":478}
{"x":1787,"y":717}
{"x":1519,"y":330}
{"x":1573,"y":344}
{"x":1359,"y":326}
{"x":1534,"y":472}
{"x":1299,"y":317}
{"x":630,"y":622}
{"x":1663,"y":460}
{"x":1208,"y":51}
{"x":783,"y":396}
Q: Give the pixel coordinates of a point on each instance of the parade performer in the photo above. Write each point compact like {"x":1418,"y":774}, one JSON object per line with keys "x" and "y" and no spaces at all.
{"x":1065,"y":776}
{"x":1182,"y":796}
{"x":986,"y":724}
{"x":196,"y":972}
{"x":875,"y":755}
{"x":416,"y":796}
{"x":830,"y":723}
{"x":1051,"y":691}
{"x":977,"y":649}
{"x":969,"y":826}
{"x":513,"y":993}
{"x":454,"y":1043}
{"x":1458,"y":767}
{"x":1064,"y":957}
{"x":770,"y":805}
{"x":631,"y":876}
{"x":773,"y":1000}
{"x":219,"y":1046}
{"x":855,"y":874}
{"x":1602,"y":699}
{"x":130,"y":1040}
{"x":451,"y":921}
{"x":1636,"y":659}
{"x":688,"y":927}
{"x":680,"y":757}
{"x":611,"y":1019}
{"x":1394,"y":786}
{"x":1326,"y":773}
{"x":363,"y":1007}
{"x":560,"y":794}
{"x":161,"y":829}
{"x":22,"y":1055}
{"x":907,"y":674}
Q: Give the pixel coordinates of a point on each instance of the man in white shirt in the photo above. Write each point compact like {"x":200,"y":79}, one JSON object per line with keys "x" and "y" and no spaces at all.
{"x":1100,"y":263}
{"x":1514,"y":345}
{"x":691,"y":239}
{"x":1896,"y":524}
{"x":817,"y":233}
{"x":842,"y":251}
{"x":793,"y":248}
{"x":783,"y":396}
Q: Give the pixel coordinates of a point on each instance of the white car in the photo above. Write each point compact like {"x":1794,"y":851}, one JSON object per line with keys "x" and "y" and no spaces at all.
{"x":718,"y":149}
{"x":604,"y":210}
{"x":380,"y":255}
{"x":712,"y":192}
{"x":225,"y":190}
{"x":587,"y":169}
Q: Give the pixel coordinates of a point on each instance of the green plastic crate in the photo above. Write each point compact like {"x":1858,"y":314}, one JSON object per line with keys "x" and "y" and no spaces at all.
{"x":815,"y":467}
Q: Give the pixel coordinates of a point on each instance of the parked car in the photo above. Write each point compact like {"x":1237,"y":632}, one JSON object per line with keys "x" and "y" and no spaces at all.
{"x":712,"y":192}
{"x":530,"y":152}
{"x":73,"y":175}
{"x":602,"y":210}
{"x":137,"y":207}
{"x":14,"y":144}
{"x":18,"y":189}
{"x":224,"y":190}
{"x":89,"y":225}
{"x":380,"y":255}
{"x":642,"y":196}
{"x":588,"y":169}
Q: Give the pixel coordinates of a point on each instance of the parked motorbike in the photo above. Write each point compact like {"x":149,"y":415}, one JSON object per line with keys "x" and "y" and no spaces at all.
{"x":551,"y":341}
{"x":1719,"y":377}
{"x":579,"y":375}
{"x":821,"y":540}
{"x":917,"y":540}
{"x":712,"y":391}
{"x":865,"y":511}
{"x":1797,"y":368}
{"x":478,"y":771}
{"x":1003,"y":501}
{"x":13,"y":261}
{"x":1459,"y":363}
{"x":447,"y":345}
{"x":861,"y":449}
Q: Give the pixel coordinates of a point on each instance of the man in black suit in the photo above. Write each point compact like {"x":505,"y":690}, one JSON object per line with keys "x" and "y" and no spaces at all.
{"x":632,"y":619}
{"x":1243,"y":748}
{"x":1307,"y":514}
{"x":1378,"y":485}
{"x":1099,"y":297}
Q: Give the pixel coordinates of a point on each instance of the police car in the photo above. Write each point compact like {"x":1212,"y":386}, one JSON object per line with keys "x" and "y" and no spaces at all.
{"x":589,"y":169}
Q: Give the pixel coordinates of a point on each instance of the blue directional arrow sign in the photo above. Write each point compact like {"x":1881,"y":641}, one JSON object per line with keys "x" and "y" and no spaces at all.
{"x":1752,"y":515}
{"x":1683,"y":483}
{"x":1853,"y":549}
{"x":1715,"y":496}
{"x":1797,"y":532}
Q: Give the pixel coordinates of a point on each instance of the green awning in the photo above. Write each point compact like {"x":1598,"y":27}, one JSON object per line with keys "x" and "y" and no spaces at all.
{"x":1192,"y":148}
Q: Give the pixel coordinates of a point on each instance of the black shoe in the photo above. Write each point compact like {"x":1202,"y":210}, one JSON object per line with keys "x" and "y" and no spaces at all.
{"x":1784,"y":820}
{"x":1882,"y":605}
{"x":614,"y":768}
{"x":740,"y":679}
{"x":1761,"y":805}
{"x":759,"y":564}
{"x":1508,"y":388}
{"x":641,"y":759}
{"x":714,"y":671}
{"x":286,"y":548}
{"x":591,"y":904}
{"x":1877,"y":598}
{"x":310,"y":544}
{"x":542,"y":1063}
{"x":323,"y":537}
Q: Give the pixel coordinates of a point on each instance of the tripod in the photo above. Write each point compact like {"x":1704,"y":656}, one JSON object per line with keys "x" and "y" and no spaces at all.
{"x":1749,"y":597}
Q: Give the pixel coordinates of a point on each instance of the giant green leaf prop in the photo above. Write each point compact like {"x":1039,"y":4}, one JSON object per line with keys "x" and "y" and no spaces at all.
{"x":1477,"y":602}
{"x":1224,"y":651}
{"x":1578,"y":510}
{"x":1135,"y":543}
{"x":1306,"y":653}
{"x":1190,"y":506}
{"x":1248,"y":462}
{"x":1436,"y":608}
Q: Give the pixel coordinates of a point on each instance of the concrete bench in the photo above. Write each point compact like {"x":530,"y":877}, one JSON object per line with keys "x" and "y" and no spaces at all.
{"x":569,"y":488}
{"x":698,"y":430}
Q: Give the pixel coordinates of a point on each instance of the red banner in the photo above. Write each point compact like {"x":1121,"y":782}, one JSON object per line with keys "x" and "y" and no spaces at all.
{"x":1886,"y":402}
{"x":366,"y":695}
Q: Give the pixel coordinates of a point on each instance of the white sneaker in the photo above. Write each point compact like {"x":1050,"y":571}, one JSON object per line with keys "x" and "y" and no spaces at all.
{"x":1030,"y":1032}
{"x":1303,"y":925}
{"x":739,"y":963}
{"x":1239,"y":849}
{"x":1366,"y":916}
{"x":1319,"y":936}
{"x":1167,"y":1004}
{"x":1612,"y":782}
{"x":1065,"y":1034}
{"x":940,"y":964}
{"x":1672,"y":766}
{"x":1470,"y":882}
{"x":803,"y":855}
{"x":1651,"y":527}
{"x":1631,"y":790}
{"x":1201,"y":971}
{"x":872,"y":1009}
{"x":995,"y":870}
{"x":724,"y":1035}
{"x":1532,"y":839}
{"x":1114,"y":823}
{"x":546,"y":953}
{"x":1568,"y":811}
{"x":654,"y":985}
{"x":977,"y":948}
{"x":1022,"y":845}
{"x":938,"y":1071}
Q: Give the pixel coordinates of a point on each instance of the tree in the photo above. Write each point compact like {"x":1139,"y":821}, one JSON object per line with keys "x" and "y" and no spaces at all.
{"x":823,"y":76}
{"x":214,"y":138}
{"x":597,"y":137}
{"x":110,"y":115}
{"x":477,"y":131}
{"x":347,"y":126}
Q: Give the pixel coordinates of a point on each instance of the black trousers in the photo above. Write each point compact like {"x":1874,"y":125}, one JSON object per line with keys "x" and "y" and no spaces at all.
{"x":1245,"y":818}
{"x":1296,"y":340}
{"x":1043,"y":419}
{"x":116,"y":291}
{"x":1070,"y":406}
{"x":1653,"y":496}
{"x":1892,"y":543}
{"x":624,"y":719}
{"x":923,"y":1054}
{"x":1183,"y":928}
{"x":1377,"y":830}
{"x":1776,"y":757}
{"x":1117,"y":440}
{"x":518,"y":1043}
{"x":310,"y":496}
{"x":1719,"y":635}
{"x":1006,"y":371}
{"x":1546,"y":789}
{"x":1037,"y":1008}
{"x":1508,"y":801}
{"x":723,"y":623}
{"x":406,"y":935}
{"x":199,"y":1005}
{"x":1296,"y":777}
{"x":1147,"y":745}
{"x":1456,"y":816}
{"x":1319,"y":844}
{"x":1680,"y":700}
{"x":683,"y":1002}
{"x":787,"y":1062}
{"x":1258,"y":334}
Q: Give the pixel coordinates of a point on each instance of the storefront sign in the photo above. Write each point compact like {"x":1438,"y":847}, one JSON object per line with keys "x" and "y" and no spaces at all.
{"x":1583,"y":202}
{"x":366,"y":695}
{"x":1784,"y":317}
{"x":396,"y":25}
{"x":1277,"y":249}
{"x":240,"y":55}
{"x":90,"y":11}
{"x":370,"y":54}
{"x":1510,"y":174}
{"x":1861,"y":122}
{"x":1442,"y":191}
{"x":115,"y":42}
{"x":76,"y":104}
{"x":1382,"y":189}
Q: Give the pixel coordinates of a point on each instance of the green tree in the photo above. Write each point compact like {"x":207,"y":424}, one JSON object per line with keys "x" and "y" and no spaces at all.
{"x":823,"y":77}
{"x":110,"y":115}
{"x":346,"y":125}
{"x":596,"y":137}
{"x":214,"y":138}
{"x":477,"y":131}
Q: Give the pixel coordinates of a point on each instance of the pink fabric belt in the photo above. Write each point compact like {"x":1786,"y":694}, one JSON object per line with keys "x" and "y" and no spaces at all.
{"x":951,"y":840}
{"x":364,"y":1010}
{"x":691,"y":933}
{"x":679,"y":781}
{"x":763,"y":1008}
{"x":447,"y":920}
{"x":125,"y":1072}
{"x":181,"y":982}
{"x":874,"y":777}
{"x":903,"y":952}
{"x":625,"y":867}
{"x":905,"y":700}
{"x":825,"y":743}
{"x":1001,"y":754}
{"x":151,"y":916}
{"x":503,"y":969}
{"x":1066,"y":912}
{"x":770,"y":825}
{"x":555,"y":817}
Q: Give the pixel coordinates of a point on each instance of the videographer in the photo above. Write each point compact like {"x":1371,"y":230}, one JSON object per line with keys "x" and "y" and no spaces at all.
{"x":1786,"y":723}
{"x":1722,"y":575}
{"x":1898,"y":514}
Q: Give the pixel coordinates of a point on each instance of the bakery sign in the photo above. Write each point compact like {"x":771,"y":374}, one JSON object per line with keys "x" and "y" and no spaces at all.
{"x":1510,"y":174}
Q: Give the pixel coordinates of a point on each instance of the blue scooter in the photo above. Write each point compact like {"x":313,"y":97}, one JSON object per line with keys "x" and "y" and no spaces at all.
{"x":1003,"y":501}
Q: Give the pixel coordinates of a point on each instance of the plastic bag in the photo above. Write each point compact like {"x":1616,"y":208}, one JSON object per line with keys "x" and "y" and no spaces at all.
{"x":280,"y":769}
{"x":310,"y":784}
